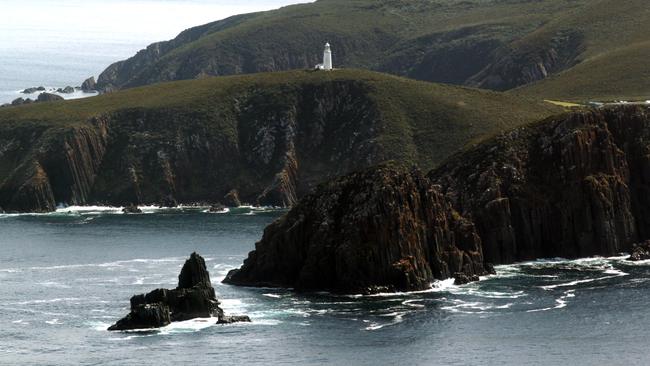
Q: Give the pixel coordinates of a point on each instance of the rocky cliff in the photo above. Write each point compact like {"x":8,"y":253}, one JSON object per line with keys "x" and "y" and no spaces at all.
{"x":384,"y":229}
{"x":571,"y":186}
{"x":268,"y":138}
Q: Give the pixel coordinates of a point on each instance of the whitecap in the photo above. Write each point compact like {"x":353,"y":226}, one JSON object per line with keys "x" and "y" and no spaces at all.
{"x":398,"y":317}
{"x":415,"y":303}
{"x":275,"y":296}
{"x":53,"y":322}
{"x":560,"y":302}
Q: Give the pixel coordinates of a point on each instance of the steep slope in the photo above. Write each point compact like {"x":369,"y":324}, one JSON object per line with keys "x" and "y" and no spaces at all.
{"x":271,"y":137}
{"x":487,"y":43}
{"x":571,"y":186}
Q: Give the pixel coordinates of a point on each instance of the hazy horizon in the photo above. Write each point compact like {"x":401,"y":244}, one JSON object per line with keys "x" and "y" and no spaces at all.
{"x":54,"y":44}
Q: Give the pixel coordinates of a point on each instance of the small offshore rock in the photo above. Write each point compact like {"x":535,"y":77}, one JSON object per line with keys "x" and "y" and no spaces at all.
{"x":33,"y":90}
{"x":131,"y":209}
{"x":89,"y":85}
{"x":47,"y":97}
{"x":66,"y":90}
{"x":230,"y":319}
{"x":640,"y":252}
{"x":463,"y":279}
{"x":193,"y":298}
{"x":232,"y":199}
{"x":18,"y":101}
{"x":217,"y":207}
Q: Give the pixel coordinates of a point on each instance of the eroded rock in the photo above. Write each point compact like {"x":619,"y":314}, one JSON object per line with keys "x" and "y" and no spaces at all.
{"x":384,"y":229}
{"x":193,"y":298}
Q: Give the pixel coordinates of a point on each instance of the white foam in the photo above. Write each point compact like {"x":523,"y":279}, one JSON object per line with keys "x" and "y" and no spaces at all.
{"x":103,"y":265}
{"x":275,"y":296}
{"x":560,"y":302}
{"x":53,"y":322}
{"x":398,"y":317}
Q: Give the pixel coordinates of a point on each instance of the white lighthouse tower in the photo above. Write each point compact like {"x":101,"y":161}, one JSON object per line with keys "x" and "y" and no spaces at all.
{"x":327,"y":57}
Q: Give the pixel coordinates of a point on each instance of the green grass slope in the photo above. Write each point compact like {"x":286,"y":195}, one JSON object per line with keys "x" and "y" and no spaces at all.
{"x":613,"y":64}
{"x":436,"y":40}
{"x":568,"y":49}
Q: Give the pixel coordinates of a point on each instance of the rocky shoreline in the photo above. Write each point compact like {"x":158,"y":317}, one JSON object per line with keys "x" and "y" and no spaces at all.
{"x":570,"y":186}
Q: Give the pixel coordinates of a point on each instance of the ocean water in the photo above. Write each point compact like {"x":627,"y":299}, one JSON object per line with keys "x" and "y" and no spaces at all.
{"x":67,"y":276}
{"x":59,"y":43}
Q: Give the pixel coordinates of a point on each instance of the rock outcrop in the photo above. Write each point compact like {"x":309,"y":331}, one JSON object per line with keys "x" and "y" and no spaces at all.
{"x":572,"y":186}
{"x":384,"y":229}
{"x":48,"y":97}
{"x":33,"y":90}
{"x":67,"y":90}
{"x":640,"y":252}
{"x":89,"y":85}
{"x":193,"y":298}
{"x":131,"y":209}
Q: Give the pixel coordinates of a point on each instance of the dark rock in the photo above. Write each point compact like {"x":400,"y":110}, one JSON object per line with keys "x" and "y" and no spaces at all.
{"x":66,"y":90}
{"x":233,"y":319}
{"x":193,"y":298}
{"x":217,"y":207}
{"x":232,"y":199}
{"x":463,"y":279}
{"x":48,"y":97}
{"x":89,"y":85}
{"x":572,"y":186}
{"x":640,"y":252}
{"x":489,"y":268}
{"x":33,"y":90}
{"x":384,"y":229}
{"x":144,"y":316}
{"x":194,"y":273}
{"x":131,"y":209}
{"x":168,"y":202}
{"x":18,"y":101}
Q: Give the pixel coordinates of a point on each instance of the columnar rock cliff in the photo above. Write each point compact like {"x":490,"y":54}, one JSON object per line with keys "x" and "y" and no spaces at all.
{"x":571,"y":186}
{"x":379,"y":230}
{"x":268,"y":139}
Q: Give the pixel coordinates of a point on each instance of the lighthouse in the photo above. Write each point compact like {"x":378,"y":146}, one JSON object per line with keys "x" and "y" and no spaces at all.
{"x":327,"y":57}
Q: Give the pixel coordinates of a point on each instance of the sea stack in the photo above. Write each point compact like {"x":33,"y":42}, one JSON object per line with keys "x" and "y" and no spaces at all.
{"x":193,"y":298}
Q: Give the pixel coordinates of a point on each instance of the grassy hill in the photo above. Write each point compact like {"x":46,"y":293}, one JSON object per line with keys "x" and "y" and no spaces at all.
{"x":614,"y":63}
{"x":270,"y":136}
{"x":443,"y":40}
{"x":491,"y":44}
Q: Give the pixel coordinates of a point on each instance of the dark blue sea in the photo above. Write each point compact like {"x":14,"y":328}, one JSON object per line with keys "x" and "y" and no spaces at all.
{"x":66,"y":276}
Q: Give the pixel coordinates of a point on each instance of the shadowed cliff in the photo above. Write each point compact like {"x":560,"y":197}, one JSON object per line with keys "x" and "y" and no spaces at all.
{"x":571,"y":186}
{"x":271,"y":137}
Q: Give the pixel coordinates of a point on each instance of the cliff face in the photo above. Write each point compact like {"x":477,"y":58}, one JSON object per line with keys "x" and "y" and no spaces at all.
{"x":270,"y":138}
{"x":571,"y":186}
{"x":272,"y":152}
{"x":379,"y":230}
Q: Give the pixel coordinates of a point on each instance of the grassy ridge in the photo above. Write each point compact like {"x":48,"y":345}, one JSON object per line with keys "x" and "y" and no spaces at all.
{"x":421,"y":122}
